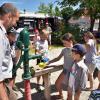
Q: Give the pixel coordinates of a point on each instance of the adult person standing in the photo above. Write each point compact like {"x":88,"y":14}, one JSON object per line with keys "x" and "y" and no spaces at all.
{"x":8,"y":17}
{"x":49,"y":30}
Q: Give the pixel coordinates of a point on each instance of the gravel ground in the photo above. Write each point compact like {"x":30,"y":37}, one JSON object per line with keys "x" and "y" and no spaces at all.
{"x":39,"y":95}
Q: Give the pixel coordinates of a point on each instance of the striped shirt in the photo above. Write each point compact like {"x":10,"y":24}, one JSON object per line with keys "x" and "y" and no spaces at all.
{"x":95,"y":95}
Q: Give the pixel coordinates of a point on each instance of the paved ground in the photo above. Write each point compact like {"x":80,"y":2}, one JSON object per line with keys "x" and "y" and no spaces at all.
{"x":39,"y":95}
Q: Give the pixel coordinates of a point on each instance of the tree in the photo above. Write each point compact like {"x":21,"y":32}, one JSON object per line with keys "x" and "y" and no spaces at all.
{"x":57,"y":11}
{"x":67,"y":13}
{"x":49,"y":9}
{"x":46,"y":9}
{"x":43,"y":8}
{"x":91,"y":6}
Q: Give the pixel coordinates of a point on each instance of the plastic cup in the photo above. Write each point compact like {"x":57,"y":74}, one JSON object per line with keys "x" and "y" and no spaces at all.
{"x":42,"y":65}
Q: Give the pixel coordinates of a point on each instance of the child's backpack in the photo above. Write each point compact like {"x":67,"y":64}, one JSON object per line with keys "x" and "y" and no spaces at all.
{"x":95,"y":95}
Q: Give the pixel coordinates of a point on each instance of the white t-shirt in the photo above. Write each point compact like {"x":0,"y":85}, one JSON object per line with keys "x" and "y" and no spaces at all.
{"x":49,"y":29}
{"x":42,"y":46}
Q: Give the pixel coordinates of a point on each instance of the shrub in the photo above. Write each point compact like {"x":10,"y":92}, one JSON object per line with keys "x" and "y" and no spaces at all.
{"x":74,"y":29}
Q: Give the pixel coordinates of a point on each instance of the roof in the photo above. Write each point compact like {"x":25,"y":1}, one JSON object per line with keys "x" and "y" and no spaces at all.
{"x":36,"y":15}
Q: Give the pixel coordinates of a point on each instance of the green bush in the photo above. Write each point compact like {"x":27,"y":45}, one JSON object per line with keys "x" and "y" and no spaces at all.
{"x":56,"y":38}
{"x":77,"y":34}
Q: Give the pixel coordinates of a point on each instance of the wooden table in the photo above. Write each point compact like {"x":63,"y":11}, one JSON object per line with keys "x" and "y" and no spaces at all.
{"x":46,"y":75}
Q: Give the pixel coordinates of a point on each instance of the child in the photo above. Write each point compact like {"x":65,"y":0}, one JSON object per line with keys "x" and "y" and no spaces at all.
{"x":36,"y":36}
{"x":78,"y":73}
{"x":42,"y":48}
{"x":48,"y":28}
{"x":67,"y":40}
{"x":90,"y":54}
{"x":11,"y":34}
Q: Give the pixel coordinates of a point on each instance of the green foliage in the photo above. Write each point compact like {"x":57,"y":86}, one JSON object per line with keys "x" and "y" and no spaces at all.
{"x":43,"y":8}
{"x":92,"y":7}
{"x":65,"y":28}
{"x":67,"y":13}
{"x":56,"y":37}
{"x":49,"y":9}
{"x":66,"y":3}
{"x":57,"y":11}
{"x":75,"y":30}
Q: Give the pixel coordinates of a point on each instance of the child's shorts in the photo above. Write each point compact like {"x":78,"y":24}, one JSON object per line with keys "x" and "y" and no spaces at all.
{"x":66,"y":79}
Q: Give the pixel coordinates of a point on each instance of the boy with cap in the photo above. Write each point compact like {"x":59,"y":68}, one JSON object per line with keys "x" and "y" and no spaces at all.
{"x":78,"y":73}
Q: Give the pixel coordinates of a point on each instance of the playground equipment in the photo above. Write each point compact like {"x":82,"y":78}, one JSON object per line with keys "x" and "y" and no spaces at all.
{"x":23,"y":45}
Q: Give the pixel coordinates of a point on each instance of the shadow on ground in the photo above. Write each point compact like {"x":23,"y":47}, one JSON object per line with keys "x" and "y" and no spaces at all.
{"x":39,"y":95}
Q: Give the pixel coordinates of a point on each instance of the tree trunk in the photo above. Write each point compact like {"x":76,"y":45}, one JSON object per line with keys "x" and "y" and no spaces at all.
{"x":99,"y":25}
{"x":92,"y":23}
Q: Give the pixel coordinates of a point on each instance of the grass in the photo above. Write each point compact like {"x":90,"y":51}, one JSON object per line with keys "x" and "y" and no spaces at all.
{"x":56,"y":46}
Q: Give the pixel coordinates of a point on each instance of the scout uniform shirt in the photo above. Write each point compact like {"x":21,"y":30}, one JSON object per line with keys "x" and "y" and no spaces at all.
{"x":78,"y":76}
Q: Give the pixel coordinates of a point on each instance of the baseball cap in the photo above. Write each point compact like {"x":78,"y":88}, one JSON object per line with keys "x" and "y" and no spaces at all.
{"x":19,"y":30}
{"x":79,"y":48}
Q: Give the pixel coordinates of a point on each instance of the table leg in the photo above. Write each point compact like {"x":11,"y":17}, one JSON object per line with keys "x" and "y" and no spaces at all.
{"x":47,"y":84}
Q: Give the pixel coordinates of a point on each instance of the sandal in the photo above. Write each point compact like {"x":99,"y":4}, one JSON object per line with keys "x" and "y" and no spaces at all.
{"x":88,"y":89}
